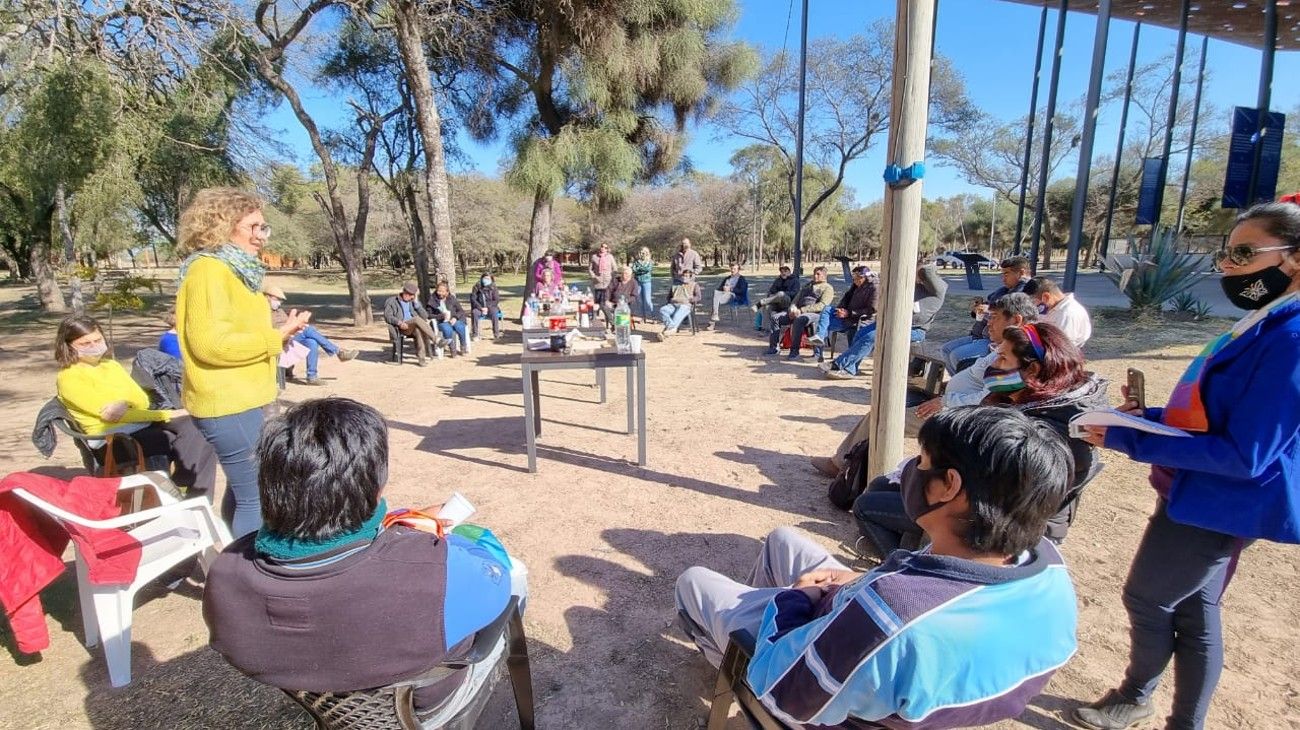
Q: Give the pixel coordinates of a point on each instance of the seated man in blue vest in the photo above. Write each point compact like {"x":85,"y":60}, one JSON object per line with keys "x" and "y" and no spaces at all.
{"x":961,"y":633}
{"x":325,"y":598}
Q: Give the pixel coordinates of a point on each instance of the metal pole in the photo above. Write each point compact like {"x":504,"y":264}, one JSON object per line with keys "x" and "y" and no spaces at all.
{"x":1191,"y":140}
{"x":1040,"y":206}
{"x":1265,"y":93}
{"x":1090,"y":104}
{"x":1119,"y":146}
{"x":798,"y":147}
{"x":911,"y":94}
{"x":1029,"y":132}
{"x":1172,"y":117}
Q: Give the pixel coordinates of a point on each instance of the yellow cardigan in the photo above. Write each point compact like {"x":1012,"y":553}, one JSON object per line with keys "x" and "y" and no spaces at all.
{"x":85,"y":389}
{"x":228,"y":345}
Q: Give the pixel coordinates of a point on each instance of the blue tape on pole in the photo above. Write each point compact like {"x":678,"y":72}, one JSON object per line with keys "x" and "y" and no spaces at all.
{"x":900,"y":177}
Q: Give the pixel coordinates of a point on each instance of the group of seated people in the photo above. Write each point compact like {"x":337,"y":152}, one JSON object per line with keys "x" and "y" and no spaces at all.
{"x":443,"y":323}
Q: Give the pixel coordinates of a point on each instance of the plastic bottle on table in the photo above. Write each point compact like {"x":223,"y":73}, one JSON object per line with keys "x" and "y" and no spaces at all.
{"x":531,"y":307}
{"x":623,"y":326}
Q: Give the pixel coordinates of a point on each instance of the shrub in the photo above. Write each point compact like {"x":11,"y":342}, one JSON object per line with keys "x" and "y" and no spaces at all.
{"x":1158,"y":274}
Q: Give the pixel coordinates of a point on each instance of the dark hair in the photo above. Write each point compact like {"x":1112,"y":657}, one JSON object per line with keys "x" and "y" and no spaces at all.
{"x":820,"y":268}
{"x":321,"y":467}
{"x":1280,"y":220}
{"x":1017,"y":303}
{"x":784,"y":267}
{"x":1046,"y":284}
{"x":72,"y":328}
{"x":861,"y":270}
{"x":1015,"y":471}
{"x":1019,"y":263}
{"x":1060,"y":368}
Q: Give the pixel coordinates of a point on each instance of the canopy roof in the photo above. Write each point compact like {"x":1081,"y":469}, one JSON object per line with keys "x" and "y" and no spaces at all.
{"x":1236,"y":21}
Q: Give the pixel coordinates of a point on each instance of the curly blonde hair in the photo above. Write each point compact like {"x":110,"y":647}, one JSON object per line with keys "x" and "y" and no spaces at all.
{"x":211,"y":216}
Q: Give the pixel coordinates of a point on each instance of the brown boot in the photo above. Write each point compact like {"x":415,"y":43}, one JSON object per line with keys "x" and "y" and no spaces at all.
{"x":826,"y":465}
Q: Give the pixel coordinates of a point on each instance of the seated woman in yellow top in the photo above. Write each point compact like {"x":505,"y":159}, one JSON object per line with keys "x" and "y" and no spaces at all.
{"x":102,"y":398}
{"x":229,"y":347}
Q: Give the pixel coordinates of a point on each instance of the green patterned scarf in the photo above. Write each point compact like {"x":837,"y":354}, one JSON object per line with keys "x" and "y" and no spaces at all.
{"x":245,"y":265}
{"x":281,"y":547}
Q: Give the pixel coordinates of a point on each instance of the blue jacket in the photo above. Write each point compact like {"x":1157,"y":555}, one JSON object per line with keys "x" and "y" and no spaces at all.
{"x":922,"y":641}
{"x":1241,"y":477}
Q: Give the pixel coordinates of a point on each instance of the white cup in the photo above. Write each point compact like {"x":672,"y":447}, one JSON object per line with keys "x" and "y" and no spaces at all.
{"x":635,"y":342}
{"x":457,"y":509}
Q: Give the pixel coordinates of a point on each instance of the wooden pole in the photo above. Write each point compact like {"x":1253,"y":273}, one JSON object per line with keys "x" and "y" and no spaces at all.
{"x":913,"y":41}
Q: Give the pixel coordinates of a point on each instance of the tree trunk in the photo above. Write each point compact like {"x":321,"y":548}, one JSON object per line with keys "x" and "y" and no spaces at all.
{"x":539,"y":235}
{"x":65,"y":229}
{"x":410,"y":207}
{"x":47,"y":285}
{"x":11,"y":263}
{"x":406,"y":24}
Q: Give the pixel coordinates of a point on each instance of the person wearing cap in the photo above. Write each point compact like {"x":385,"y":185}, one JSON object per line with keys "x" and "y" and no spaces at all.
{"x":779,"y":295}
{"x":858,"y":305}
{"x":407,"y":317}
{"x":310,"y":337}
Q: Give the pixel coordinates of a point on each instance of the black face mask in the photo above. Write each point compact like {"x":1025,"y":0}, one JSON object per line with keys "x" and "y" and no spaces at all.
{"x":913,"y":490}
{"x":1256,"y":290}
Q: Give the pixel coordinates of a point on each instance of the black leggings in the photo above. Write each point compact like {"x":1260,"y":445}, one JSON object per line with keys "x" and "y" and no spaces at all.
{"x":193,"y":461}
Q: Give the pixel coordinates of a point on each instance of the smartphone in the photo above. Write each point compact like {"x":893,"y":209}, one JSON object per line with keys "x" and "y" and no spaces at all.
{"x":1137,"y":387}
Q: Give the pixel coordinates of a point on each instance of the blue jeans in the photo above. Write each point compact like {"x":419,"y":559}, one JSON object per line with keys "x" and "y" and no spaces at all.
{"x":458,"y":328}
{"x":1172,"y":595}
{"x":647,"y":302}
{"x":830,"y":322}
{"x":863,"y":344}
{"x":234,"y":438}
{"x":963,"y":348}
{"x":882,"y":519}
{"x":315,"y":342}
{"x":673,"y":315}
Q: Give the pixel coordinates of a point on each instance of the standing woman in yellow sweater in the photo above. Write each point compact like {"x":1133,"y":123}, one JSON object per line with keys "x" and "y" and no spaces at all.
{"x":228,"y":344}
{"x":102,"y":398}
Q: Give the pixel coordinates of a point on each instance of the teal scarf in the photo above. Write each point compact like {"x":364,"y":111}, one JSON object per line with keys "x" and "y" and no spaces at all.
{"x":245,"y":265}
{"x":280,"y":547}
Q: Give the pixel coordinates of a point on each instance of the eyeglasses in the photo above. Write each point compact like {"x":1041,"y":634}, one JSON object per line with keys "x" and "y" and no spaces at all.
{"x":264,"y":229}
{"x":1242,"y":253}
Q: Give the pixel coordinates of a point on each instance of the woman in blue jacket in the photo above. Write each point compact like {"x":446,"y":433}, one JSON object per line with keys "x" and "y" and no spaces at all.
{"x":1234,"y":481}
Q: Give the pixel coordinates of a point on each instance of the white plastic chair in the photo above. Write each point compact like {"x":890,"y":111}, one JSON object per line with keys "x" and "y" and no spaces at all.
{"x":168,"y":534}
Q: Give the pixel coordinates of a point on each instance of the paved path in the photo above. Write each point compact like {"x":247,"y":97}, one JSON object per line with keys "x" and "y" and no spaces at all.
{"x":1095,"y":290}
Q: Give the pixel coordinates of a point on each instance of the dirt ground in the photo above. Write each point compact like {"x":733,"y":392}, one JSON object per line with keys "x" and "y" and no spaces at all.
{"x":729,"y":435}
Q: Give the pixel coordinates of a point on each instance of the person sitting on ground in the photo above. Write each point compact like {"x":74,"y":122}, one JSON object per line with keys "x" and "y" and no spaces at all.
{"x":815,"y":296}
{"x":624,"y":288}
{"x":405,"y":316}
{"x":1037,"y":372}
{"x":324,"y":597}
{"x":927,"y":300}
{"x":686,"y":259}
{"x":732,"y":290}
{"x":485,"y":301}
{"x":960,"y":352}
{"x":682,"y":299}
{"x":169,"y":342}
{"x":783,"y":289}
{"x":310,"y":337}
{"x":102,"y":398}
{"x":856,"y":307}
{"x":445,"y":311}
{"x":1062,"y":310}
{"x":962,"y":633}
{"x":966,"y":388}
{"x":601,"y":268}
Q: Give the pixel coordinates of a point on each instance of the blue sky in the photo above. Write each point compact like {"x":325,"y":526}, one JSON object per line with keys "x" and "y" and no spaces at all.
{"x":990,"y":41}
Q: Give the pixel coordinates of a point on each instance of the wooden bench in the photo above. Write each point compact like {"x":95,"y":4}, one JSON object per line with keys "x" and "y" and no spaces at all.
{"x":931,"y":355}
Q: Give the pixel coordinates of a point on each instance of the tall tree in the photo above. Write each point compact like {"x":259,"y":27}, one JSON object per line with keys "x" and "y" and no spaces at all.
{"x":848,"y":103}
{"x":600,"y":91}
{"x":268,"y":55}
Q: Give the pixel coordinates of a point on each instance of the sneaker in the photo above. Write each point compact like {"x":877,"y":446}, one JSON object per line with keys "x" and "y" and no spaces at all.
{"x":793,"y":356}
{"x":313,"y":381}
{"x":1112,"y":712}
{"x":817,"y":341}
{"x":825,"y":465}
{"x":838,"y":374}
{"x":664,"y":335}
{"x":345,"y":355}
{"x":826,"y":367}
{"x":772,"y":351}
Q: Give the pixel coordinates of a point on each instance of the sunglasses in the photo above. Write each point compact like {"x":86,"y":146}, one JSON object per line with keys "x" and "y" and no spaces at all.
{"x":1241,"y":254}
